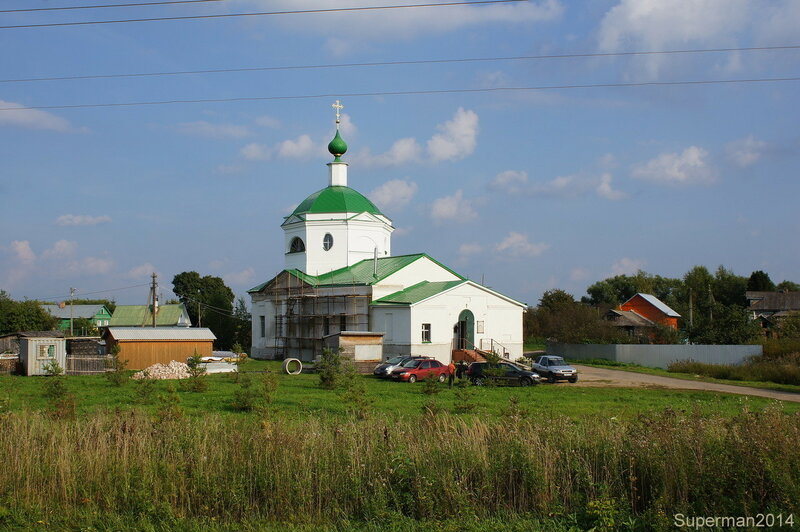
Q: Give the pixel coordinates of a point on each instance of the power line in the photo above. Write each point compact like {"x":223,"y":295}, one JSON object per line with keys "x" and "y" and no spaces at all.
{"x":259,"y":14}
{"x":409,"y":93}
{"x":91,"y":293}
{"x":407,"y":62}
{"x":139,"y":4}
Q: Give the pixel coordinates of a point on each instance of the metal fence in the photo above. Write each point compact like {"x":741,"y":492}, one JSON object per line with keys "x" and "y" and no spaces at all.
{"x":656,"y":356}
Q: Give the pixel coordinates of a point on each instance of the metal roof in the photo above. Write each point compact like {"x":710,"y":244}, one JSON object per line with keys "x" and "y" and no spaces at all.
{"x":418,"y":292}
{"x":78,"y":311}
{"x":336,"y":199}
{"x":140,"y":315}
{"x":362,"y":272}
{"x":161,"y":333}
{"x":660,"y":305}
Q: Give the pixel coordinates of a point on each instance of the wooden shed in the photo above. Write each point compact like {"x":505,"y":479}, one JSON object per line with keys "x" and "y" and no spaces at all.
{"x":144,"y":346}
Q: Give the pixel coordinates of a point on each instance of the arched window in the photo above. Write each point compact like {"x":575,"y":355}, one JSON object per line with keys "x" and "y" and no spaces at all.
{"x":297,"y":245}
{"x":327,"y":241}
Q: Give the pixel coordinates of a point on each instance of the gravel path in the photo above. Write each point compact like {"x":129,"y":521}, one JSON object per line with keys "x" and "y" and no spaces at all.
{"x":591,"y":376}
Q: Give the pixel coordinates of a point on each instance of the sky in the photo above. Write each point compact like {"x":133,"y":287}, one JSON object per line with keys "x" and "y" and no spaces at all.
{"x":527,"y":190}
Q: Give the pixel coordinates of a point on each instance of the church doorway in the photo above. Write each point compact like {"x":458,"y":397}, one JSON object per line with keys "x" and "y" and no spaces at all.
{"x":465,"y":330}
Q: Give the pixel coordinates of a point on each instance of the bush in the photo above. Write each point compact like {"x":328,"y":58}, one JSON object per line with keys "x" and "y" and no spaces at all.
{"x":144,"y":389}
{"x":244,"y":398}
{"x":115,"y":368}
{"x":329,"y":368}
{"x":464,"y":397}
{"x":196,"y":381}
{"x":758,"y":369}
{"x":431,"y":385}
{"x":269,"y":385}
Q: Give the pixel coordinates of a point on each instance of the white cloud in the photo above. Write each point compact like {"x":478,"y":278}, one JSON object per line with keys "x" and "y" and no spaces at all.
{"x":143,"y":271}
{"x":91,"y":266}
{"x":405,"y":23}
{"x":604,"y":189}
{"x":747,"y":151}
{"x":201,"y":128}
{"x":23,"y":252}
{"x":453,"y":207}
{"x":403,"y":151}
{"x":579,"y":274}
{"x":511,"y":181}
{"x":627,"y":266}
{"x":15,"y":114}
{"x":268,"y":121}
{"x":61,"y":250}
{"x":403,"y":231}
{"x":690,"y":167}
{"x":81,"y":219}
{"x":347,"y":127}
{"x":470,"y":249}
{"x":394,"y":194}
{"x":245,"y":276}
{"x":457,"y":139}
{"x":517,"y":245}
{"x":561,"y":186}
{"x":299,"y":148}
{"x":256,"y":152}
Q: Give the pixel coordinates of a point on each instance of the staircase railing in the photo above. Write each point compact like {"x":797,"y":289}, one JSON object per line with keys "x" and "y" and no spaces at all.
{"x":493,"y":347}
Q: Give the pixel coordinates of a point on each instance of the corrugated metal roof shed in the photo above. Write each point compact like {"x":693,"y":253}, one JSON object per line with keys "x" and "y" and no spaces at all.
{"x":161,"y":333}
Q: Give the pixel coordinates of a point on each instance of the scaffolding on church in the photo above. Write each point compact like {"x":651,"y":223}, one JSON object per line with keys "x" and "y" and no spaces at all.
{"x":305,"y":314}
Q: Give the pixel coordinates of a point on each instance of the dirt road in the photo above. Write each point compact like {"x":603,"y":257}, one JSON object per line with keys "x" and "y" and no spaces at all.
{"x":591,"y":376}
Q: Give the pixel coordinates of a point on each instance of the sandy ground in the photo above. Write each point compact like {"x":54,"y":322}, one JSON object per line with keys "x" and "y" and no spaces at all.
{"x":590,"y":376}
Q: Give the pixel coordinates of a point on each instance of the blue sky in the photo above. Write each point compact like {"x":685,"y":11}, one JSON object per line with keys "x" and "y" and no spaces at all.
{"x":530,"y":190}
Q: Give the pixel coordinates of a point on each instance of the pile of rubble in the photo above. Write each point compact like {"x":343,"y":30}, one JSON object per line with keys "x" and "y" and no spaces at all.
{"x":173,"y":370}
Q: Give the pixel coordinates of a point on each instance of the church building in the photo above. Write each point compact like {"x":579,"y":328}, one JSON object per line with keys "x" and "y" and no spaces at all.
{"x":340,"y":276}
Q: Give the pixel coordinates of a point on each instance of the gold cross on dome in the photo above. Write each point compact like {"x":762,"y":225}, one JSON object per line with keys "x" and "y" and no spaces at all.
{"x":338,"y":106}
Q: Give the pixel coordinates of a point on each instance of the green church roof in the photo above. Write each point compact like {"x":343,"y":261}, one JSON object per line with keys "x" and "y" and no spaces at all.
{"x":361,"y":273}
{"x":418,"y":292}
{"x":336,"y":199}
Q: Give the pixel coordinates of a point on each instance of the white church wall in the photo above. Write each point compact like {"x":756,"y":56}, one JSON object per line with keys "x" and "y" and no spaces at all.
{"x":394,"y":322}
{"x":261,"y":343}
{"x":422,"y":269}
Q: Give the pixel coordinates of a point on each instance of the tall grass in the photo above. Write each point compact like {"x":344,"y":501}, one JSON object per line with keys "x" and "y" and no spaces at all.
{"x":319,"y":471}
{"x":783,"y":370}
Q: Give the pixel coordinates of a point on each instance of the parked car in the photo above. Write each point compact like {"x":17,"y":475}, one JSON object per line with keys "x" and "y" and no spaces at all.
{"x":420,"y":369}
{"x":386,"y":368}
{"x":554,"y":368}
{"x":501,"y":373}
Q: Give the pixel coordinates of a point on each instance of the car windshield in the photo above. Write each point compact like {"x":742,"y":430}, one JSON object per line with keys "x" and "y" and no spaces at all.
{"x":395,"y":360}
{"x":558,"y":361}
{"x":413,"y":363}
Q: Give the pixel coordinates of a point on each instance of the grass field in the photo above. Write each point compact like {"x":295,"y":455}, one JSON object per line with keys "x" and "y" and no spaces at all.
{"x":619,"y":459}
{"x":300,"y":395}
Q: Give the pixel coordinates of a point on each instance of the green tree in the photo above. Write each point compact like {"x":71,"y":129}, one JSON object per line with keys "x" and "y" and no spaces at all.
{"x":214,"y":300}
{"x":244,"y":325}
{"x":730,"y":325}
{"x":759,"y":281}
{"x":789,"y":286}
{"x":729,"y":288}
{"x":18,"y":316}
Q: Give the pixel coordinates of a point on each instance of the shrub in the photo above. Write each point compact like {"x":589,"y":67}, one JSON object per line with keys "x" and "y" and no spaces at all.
{"x":244,"y":398}
{"x":170,"y":405}
{"x":329,"y":368}
{"x":758,"y":369}
{"x":144,"y":389}
{"x":269,"y":385}
{"x":115,"y":367}
{"x":464,"y":397}
{"x":197,"y":373}
{"x":431,"y":385}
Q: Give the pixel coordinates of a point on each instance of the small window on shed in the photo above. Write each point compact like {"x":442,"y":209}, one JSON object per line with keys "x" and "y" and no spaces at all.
{"x":297,"y":245}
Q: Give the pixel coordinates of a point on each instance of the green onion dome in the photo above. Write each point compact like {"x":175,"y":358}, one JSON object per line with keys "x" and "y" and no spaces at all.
{"x":337,"y":146}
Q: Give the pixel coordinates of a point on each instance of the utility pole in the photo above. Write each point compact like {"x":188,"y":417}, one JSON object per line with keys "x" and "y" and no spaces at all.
{"x":71,"y":293}
{"x":691,"y":320}
{"x":154,"y":296}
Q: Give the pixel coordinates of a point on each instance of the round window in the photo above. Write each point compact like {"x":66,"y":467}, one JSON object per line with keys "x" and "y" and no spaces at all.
{"x":327,"y":242}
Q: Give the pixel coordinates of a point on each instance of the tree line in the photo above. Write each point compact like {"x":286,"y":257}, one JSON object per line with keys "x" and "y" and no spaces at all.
{"x":712,"y":307}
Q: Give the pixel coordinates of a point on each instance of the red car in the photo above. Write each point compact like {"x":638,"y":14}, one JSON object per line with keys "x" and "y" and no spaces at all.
{"x":420,"y":369}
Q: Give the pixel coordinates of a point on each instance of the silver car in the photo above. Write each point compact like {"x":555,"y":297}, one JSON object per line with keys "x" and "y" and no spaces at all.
{"x":554,"y":368}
